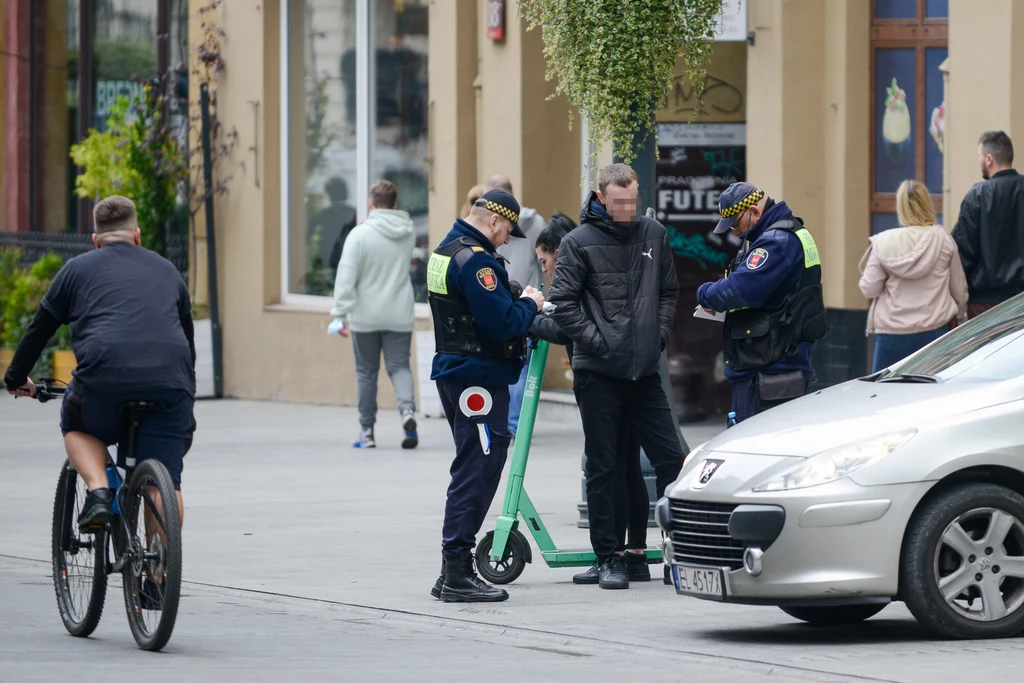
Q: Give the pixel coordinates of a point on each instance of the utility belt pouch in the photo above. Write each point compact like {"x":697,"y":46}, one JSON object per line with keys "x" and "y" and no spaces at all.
{"x":774,"y":389}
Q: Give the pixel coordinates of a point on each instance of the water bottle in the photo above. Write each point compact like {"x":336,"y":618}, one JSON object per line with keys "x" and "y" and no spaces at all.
{"x":114,"y":481}
{"x":731,"y":421}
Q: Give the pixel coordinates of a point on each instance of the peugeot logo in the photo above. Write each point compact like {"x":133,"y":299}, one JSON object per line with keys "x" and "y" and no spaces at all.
{"x":707,"y":470}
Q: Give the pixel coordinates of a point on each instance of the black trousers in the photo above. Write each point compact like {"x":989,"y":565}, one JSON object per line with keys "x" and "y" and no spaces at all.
{"x":632,"y":503}
{"x":475,"y":474}
{"x":606,"y":404}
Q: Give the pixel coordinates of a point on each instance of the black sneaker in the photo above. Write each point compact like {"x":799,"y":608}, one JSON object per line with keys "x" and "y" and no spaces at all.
{"x":612,"y":573}
{"x":411,"y":438}
{"x":668,"y":575}
{"x":96,"y":511}
{"x":589,"y":577}
{"x":637,"y":567}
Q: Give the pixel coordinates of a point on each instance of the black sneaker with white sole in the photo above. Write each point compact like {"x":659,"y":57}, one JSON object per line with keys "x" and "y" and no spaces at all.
{"x":96,"y":511}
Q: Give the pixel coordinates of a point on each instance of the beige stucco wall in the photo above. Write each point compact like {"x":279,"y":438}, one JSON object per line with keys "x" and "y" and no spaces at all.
{"x":986,"y":86}
{"x":270,"y":351}
{"x":807,"y":125}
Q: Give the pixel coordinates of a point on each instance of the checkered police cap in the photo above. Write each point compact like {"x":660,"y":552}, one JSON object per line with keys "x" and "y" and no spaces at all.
{"x":736,"y":199}
{"x":503,"y":204}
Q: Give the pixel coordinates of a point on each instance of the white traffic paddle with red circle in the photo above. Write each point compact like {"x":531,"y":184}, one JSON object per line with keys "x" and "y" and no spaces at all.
{"x":473,"y":402}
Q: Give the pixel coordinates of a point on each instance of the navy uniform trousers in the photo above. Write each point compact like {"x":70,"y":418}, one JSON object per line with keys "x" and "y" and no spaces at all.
{"x":746,"y":401}
{"x":475,"y":475}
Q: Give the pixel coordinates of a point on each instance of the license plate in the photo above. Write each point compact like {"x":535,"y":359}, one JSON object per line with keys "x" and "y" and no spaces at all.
{"x":698,"y":581}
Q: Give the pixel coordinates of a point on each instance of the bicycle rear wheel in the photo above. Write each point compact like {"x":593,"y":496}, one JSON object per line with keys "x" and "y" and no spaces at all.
{"x":79,"y":560}
{"x":152,"y":573}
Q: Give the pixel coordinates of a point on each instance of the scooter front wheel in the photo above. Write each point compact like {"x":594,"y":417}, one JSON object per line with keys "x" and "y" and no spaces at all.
{"x":511,"y":564}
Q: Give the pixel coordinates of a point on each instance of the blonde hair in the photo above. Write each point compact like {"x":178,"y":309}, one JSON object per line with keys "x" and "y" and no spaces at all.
{"x":914,"y":204}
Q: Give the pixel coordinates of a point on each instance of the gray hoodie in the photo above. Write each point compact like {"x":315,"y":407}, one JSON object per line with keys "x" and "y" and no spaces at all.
{"x":521,"y":253}
{"x":372,"y":289}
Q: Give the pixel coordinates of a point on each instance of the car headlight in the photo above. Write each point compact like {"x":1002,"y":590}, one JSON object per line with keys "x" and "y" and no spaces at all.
{"x":836,"y":463}
{"x":695,"y":453}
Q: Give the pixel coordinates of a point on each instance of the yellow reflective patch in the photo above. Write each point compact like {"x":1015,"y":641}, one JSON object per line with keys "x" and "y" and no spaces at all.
{"x":811,"y":256}
{"x":477,"y":250}
{"x":437,"y":273}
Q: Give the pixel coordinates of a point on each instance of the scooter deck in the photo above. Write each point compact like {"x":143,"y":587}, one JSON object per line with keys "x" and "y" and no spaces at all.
{"x":584,"y":557}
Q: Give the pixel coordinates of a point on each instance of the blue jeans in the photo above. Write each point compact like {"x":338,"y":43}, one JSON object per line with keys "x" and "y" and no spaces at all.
{"x":515,"y":393}
{"x":892,"y":348}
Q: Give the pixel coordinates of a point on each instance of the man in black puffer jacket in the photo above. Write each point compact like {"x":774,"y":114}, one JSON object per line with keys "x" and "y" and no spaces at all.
{"x":614,"y":291}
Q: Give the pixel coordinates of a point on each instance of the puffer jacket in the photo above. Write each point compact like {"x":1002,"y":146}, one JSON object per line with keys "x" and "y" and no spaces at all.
{"x":615,"y":291}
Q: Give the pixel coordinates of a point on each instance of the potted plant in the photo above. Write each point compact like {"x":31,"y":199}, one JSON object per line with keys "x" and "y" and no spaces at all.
{"x":9,"y":272}
{"x":23,"y":290}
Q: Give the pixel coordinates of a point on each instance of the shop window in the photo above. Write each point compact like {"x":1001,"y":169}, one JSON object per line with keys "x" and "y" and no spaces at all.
{"x":350,"y":120}
{"x":908,"y":44}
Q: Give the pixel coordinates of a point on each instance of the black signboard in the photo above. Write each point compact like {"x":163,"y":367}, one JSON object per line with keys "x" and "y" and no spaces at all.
{"x":696,"y":162}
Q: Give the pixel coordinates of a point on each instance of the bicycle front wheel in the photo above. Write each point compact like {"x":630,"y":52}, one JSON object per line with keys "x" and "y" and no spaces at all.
{"x":152,"y":572}
{"x":79,"y":560}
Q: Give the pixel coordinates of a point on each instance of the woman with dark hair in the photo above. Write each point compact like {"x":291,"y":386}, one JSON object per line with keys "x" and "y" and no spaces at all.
{"x":632,"y":504}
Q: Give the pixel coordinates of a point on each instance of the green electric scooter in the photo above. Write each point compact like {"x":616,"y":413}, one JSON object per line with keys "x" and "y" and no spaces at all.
{"x":502,"y":554}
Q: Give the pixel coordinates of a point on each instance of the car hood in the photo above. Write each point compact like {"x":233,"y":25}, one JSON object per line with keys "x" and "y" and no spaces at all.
{"x":856,"y":410}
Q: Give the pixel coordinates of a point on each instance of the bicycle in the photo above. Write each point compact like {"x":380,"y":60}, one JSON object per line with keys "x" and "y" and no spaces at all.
{"x":144,"y":542}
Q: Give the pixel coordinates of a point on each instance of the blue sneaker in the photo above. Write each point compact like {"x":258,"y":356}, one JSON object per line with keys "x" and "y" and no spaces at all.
{"x":365,"y":439}
{"x":411,"y":439}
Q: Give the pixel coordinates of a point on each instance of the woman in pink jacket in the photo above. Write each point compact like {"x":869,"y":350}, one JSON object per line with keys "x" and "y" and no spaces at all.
{"x":914,"y":279}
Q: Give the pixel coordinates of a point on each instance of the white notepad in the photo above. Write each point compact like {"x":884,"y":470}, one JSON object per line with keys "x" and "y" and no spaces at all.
{"x":699,"y":312}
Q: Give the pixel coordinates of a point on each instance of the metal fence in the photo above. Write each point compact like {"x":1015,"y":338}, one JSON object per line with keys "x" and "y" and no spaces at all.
{"x":35,"y":245}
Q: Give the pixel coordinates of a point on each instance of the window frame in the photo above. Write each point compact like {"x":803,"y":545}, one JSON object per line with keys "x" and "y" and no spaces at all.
{"x":365,"y":147}
{"x":920,"y":34}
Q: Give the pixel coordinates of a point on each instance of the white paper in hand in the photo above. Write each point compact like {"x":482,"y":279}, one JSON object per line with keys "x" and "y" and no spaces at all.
{"x":699,"y":312}
{"x":335,"y":326}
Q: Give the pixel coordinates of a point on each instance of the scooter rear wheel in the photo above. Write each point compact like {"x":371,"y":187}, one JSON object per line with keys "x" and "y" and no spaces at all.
{"x":512,"y":563}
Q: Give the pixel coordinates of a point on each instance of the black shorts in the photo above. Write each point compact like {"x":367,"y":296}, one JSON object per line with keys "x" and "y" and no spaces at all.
{"x":164,"y":435}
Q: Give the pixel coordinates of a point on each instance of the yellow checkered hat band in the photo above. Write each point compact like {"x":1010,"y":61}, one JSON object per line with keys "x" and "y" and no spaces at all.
{"x":744,"y":204}
{"x":503,"y":211}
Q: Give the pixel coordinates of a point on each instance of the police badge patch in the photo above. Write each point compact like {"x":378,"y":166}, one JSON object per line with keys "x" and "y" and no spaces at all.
{"x":757,"y":259}
{"x":487,"y":279}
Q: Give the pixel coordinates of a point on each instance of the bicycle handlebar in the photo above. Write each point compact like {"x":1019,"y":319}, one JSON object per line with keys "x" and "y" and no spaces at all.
{"x":46,"y":391}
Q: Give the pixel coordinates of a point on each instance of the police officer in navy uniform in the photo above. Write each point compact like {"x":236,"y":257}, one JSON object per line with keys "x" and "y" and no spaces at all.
{"x":480,"y":329}
{"x":772,"y":299}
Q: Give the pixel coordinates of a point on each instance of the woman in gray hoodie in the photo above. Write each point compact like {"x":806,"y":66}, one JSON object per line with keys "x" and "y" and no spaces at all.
{"x":914,"y":279}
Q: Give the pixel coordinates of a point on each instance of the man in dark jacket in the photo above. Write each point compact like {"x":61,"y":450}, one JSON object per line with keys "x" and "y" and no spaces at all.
{"x":614,"y":292}
{"x":990,"y":229}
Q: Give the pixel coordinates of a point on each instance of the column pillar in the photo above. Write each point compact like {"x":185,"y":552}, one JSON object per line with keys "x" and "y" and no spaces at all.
{"x":18,"y":31}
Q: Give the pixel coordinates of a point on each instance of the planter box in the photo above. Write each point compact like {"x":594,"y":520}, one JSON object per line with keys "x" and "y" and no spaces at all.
{"x":64,"y":363}
{"x":204,"y":358}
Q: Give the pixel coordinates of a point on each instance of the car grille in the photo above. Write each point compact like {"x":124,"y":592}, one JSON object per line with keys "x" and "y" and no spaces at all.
{"x":700,"y":535}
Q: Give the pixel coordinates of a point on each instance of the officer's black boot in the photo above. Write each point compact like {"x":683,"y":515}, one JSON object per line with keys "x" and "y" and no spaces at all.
{"x":439,"y":584}
{"x":461,"y":583}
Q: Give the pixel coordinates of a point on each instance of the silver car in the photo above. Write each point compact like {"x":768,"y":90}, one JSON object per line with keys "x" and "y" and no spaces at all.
{"x":904,"y":485}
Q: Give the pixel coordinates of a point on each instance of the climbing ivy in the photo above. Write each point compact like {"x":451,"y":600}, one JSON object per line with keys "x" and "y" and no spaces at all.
{"x":613,"y":59}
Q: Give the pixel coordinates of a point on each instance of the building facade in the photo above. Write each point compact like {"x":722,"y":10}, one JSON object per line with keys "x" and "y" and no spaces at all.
{"x":828,"y":105}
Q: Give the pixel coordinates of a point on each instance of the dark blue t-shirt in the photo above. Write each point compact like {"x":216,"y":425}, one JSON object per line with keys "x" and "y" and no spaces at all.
{"x":128,"y":309}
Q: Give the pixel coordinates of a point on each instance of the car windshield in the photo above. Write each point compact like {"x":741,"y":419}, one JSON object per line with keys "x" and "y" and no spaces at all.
{"x":988,"y":348}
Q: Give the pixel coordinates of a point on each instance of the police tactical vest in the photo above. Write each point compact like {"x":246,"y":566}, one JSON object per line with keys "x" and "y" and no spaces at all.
{"x":455,"y":331}
{"x":757,"y":338}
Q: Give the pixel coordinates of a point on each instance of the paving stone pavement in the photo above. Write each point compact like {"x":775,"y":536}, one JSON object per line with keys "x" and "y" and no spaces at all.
{"x":294,"y":544}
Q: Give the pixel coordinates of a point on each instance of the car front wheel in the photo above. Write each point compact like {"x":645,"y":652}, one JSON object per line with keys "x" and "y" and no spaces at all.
{"x":962,"y":570}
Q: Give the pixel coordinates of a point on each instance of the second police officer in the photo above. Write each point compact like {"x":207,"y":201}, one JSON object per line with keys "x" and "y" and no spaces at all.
{"x":772,"y":299}
{"x":480,"y":329}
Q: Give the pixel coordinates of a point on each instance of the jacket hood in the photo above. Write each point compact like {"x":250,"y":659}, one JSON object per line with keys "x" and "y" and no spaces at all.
{"x":910,"y":253}
{"x":594,"y":213}
{"x":526,"y":214}
{"x":391,"y":223}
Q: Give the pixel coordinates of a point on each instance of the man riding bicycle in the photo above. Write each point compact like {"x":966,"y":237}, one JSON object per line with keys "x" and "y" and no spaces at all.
{"x":131,"y":333}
